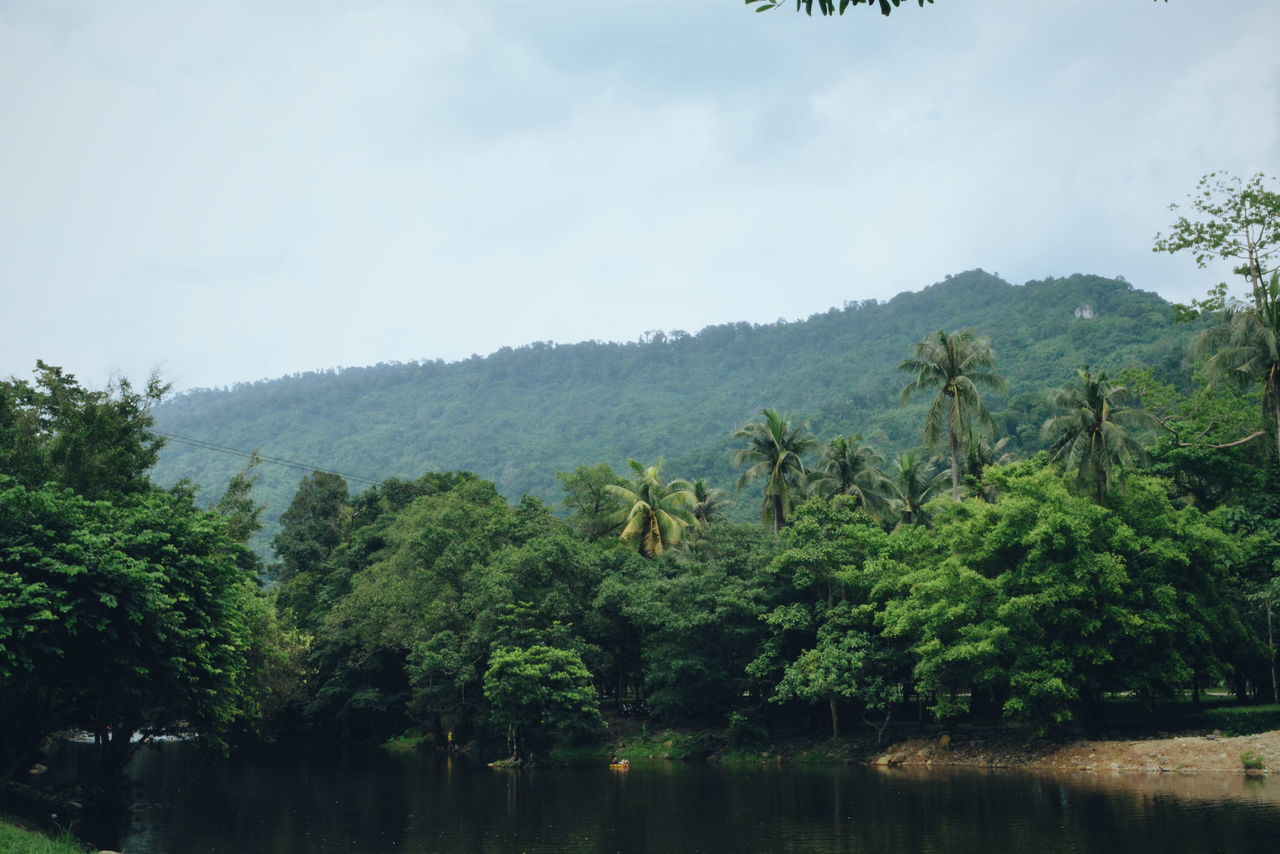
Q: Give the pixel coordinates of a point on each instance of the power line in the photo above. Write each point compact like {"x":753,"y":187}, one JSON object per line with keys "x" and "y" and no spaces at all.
{"x":224,"y":449}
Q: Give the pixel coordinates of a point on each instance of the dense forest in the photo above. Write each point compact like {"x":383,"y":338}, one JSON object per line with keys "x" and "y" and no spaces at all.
{"x":520,"y":416}
{"x":1036,"y":545}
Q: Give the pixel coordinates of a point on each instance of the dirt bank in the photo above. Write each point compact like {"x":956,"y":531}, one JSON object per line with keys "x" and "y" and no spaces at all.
{"x":1194,"y":754}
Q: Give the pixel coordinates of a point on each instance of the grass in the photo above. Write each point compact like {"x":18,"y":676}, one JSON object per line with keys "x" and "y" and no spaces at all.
{"x":1252,"y":761}
{"x":15,"y":839}
{"x":409,"y":742}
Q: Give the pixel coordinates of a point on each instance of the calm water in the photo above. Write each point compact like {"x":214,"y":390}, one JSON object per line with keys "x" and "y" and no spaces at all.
{"x":373,"y":802}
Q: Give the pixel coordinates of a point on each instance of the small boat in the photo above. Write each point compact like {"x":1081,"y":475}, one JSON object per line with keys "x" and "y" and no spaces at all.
{"x":621,"y":765}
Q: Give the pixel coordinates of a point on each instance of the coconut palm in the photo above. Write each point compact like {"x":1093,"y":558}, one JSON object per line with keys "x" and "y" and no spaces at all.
{"x":1246,"y":348}
{"x":709,"y":505}
{"x":774,"y":454}
{"x":1092,"y":436}
{"x":653,"y":514}
{"x":956,"y":364}
{"x":848,"y":467}
{"x":911,"y":483}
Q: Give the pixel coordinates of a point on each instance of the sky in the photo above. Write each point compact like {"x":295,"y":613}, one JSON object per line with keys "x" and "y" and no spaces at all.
{"x":237,"y":190}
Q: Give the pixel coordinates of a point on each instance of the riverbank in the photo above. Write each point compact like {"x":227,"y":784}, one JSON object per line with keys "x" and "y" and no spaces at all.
{"x":1185,"y":754}
{"x":15,"y":838}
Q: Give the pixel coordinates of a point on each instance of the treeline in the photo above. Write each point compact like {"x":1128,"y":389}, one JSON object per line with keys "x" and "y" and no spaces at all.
{"x":520,"y":415}
{"x":1120,"y":535}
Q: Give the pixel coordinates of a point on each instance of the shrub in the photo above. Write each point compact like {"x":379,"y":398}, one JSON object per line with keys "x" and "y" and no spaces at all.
{"x":1244,"y":720}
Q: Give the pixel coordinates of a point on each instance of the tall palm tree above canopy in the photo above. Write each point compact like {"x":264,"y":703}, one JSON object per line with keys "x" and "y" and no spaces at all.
{"x":1245,"y":347}
{"x":956,"y":364}
{"x":848,"y":467}
{"x":774,"y":454}
{"x":654,"y":514}
{"x":1091,"y":436}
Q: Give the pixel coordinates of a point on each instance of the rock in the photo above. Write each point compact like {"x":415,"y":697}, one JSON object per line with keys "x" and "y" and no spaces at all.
{"x":882,"y":760}
{"x":944,"y":740}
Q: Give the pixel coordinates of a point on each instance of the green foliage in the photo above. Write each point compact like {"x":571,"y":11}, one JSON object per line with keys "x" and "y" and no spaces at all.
{"x":848,"y":467}
{"x":774,"y":455}
{"x":1042,"y":600}
{"x":1252,"y":761}
{"x":539,"y":690}
{"x":590,"y":505}
{"x":824,"y":645}
{"x":1240,"y":224}
{"x":956,"y":364}
{"x":98,"y":443}
{"x":1245,"y":347}
{"x":1091,"y":435}
{"x":548,"y":408}
{"x":911,"y":483}
{"x":1243,"y":720}
{"x":117,"y":619}
{"x":654,"y":514}
{"x":697,"y":617}
{"x":16,"y":840}
{"x":314,"y":524}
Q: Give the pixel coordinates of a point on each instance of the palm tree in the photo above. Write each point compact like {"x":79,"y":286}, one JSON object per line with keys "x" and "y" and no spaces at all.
{"x":773,"y":454}
{"x":848,"y":467}
{"x":1092,"y":436}
{"x":654,"y":513}
{"x":1246,"y":347}
{"x":912,"y":482}
{"x":709,"y":504}
{"x":956,"y":364}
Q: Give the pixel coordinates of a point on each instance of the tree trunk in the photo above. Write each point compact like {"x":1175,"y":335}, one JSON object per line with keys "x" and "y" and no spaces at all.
{"x":777,"y":514}
{"x":1271,"y":647}
{"x":883,"y":725}
{"x":835,"y":718}
{"x":955,"y":465}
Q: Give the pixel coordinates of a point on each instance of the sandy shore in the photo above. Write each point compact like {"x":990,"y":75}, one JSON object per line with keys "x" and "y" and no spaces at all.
{"x":1197,"y":754}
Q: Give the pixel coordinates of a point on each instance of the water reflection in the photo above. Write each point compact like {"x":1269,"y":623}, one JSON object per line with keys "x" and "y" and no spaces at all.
{"x":377,"y":802}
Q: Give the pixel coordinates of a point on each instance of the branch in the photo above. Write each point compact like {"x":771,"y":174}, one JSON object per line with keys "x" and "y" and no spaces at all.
{"x":1248,"y":438}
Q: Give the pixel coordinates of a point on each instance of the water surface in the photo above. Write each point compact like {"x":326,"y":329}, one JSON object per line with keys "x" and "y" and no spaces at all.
{"x":372,"y":802}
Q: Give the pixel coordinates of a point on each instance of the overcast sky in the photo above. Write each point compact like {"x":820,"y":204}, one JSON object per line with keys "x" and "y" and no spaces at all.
{"x":228,"y":191}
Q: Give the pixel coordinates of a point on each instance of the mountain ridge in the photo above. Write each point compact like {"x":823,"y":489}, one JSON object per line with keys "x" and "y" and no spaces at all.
{"x":518,"y":415}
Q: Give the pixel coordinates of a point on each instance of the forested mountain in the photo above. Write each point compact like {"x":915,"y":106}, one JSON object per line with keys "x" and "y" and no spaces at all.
{"x":522,"y":414}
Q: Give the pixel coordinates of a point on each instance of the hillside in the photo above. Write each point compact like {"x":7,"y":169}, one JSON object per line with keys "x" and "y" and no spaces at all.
{"x":520,"y":415}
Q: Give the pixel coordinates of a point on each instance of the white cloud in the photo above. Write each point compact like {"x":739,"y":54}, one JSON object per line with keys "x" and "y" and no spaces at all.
{"x":237,"y":190}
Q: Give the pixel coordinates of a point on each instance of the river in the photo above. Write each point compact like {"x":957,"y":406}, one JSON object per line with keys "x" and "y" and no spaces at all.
{"x":372,"y":801}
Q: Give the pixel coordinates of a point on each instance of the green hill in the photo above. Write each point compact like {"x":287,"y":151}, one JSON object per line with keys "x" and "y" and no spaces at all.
{"x":522,"y":414}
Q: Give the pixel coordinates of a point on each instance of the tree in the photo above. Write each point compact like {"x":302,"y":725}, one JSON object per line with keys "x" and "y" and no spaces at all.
{"x":98,"y":443}
{"x":314,"y":524}
{"x":536,"y":691}
{"x":590,"y":504}
{"x":1245,"y":347}
{"x":1040,"y":601}
{"x":848,"y":467}
{"x":829,"y":7}
{"x":956,"y":364}
{"x":710,"y":504}
{"x":825,"y":646}
{"x":117,"y":619}
{"x":1241,"y":226}
{"x":1091,"y":436}
{"x":911,"y":484}
{"x":654,"y":513}
{"x":774,"y":454}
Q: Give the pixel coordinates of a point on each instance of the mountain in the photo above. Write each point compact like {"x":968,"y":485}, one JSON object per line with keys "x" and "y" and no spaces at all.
{"x":522,"y":414}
